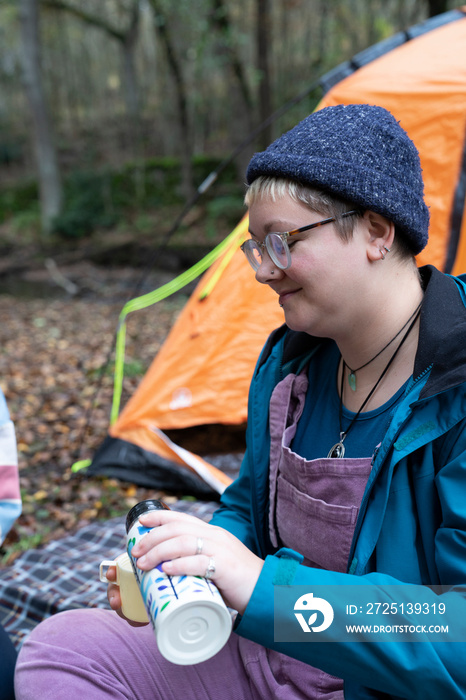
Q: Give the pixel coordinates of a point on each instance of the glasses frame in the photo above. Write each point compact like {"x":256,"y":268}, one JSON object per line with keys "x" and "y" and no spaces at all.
{"x":248,"y":246}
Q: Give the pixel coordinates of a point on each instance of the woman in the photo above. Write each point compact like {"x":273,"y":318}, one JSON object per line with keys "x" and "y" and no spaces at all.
{"x":353,"y":477}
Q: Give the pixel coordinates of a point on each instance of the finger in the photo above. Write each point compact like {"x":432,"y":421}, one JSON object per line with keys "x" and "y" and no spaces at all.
{"x":191,"y":566}
{"x":159,"y":517}
{"x":179,"y":546}
{"x":111,"y":573}
{"x":199,"y":545}
{"x":171,"y":530}
{"x":113,"y":595}
{"x":114,"y":598}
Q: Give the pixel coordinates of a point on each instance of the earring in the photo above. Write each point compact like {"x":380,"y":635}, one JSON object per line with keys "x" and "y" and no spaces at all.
{"x":272,"y":272}
{"x":387,"y":249}
{"x":382,"y":253}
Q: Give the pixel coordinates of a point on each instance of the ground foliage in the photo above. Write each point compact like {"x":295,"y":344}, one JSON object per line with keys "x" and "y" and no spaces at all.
{"x":58,"y":384}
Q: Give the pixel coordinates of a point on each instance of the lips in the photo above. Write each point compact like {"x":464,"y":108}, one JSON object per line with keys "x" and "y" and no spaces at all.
{"x":284,"y":296}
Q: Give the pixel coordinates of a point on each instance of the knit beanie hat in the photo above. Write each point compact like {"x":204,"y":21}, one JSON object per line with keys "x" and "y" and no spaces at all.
{"x":359,"y":153}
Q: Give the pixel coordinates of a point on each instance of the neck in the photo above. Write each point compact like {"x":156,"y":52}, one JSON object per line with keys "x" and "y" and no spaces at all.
{"x":378,"y":319}
{"x":369,"y":351}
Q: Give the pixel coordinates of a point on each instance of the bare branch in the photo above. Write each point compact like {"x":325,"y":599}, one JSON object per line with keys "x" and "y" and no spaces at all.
{"x":87,"y":17}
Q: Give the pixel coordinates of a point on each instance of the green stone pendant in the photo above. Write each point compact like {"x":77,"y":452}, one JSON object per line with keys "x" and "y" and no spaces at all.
{"x":352,"y":380}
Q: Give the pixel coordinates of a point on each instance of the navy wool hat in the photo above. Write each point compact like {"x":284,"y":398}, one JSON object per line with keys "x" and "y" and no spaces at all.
{"x":359,"y":153}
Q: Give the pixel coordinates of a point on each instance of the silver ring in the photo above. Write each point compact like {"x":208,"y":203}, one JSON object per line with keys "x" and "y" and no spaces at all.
{"x":200,"y":545}
{"x":210,"y":571}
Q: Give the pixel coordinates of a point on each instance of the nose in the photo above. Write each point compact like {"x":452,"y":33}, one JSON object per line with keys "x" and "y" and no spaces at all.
{"x":267,"y":272}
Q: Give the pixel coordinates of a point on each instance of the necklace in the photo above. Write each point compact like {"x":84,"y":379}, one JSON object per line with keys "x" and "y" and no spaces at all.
{"x":338,"y":450}
{"x":352,"y":372}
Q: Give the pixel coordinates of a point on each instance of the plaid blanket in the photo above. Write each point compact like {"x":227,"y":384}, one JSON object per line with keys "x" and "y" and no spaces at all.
{"x":64,"y":574}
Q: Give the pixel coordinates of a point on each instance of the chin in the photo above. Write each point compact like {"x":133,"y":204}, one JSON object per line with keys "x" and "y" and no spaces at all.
{"x":305,"y":326}
{"x":296,"y":324}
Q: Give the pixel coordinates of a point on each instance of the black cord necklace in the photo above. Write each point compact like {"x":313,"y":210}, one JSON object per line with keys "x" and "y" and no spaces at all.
{"x":338,"y":450}
{"x":352,"y":372}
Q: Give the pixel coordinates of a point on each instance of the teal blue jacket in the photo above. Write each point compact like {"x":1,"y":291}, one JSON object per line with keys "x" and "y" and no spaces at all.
{"x":411,"y":527}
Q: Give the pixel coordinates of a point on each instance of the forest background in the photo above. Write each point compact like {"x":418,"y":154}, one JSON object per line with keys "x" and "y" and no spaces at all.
{"x":112,"y":115}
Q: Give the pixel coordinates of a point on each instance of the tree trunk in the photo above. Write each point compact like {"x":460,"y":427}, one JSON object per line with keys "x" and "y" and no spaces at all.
{"x":50,"y":185}
{"x":221,"y":20}
{"x":130,"y":82}
{"x":127,"y":40}
{"x":132,"y":99}
{"x":241,"y":98}
{"x":263,"y":34}
{"x":181,"y":100}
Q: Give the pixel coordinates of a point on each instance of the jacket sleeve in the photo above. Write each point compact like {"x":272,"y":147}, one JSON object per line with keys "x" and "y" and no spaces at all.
{"x":10,"y":499}
{"x":391,"y":668}
{"x":234,"y":513}
{"x":244,"y":503}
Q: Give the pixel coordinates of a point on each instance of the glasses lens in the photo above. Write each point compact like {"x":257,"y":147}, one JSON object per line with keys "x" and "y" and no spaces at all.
{"x":278,"y":250}
{"x":253,"y":253}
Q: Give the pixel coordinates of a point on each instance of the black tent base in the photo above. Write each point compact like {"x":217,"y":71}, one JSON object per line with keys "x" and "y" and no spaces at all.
{"x":123,"y":460}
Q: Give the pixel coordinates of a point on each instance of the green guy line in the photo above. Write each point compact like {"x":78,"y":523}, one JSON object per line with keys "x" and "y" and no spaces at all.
{"x":146,"y":300}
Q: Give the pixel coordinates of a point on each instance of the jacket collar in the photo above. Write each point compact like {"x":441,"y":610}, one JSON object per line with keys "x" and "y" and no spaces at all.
{"x":442,"y":333}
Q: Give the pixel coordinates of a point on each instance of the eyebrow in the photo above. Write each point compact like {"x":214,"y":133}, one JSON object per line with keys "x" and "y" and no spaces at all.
{"x":273,"y":228}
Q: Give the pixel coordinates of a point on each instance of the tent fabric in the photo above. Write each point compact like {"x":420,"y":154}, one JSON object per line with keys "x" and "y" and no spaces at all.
{"x":423,"y":83}
{"x":200,"y":376}
{"x":202,"y":373}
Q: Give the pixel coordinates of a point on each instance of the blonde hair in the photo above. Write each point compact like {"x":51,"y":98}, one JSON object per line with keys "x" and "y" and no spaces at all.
{"x":321,"y":202}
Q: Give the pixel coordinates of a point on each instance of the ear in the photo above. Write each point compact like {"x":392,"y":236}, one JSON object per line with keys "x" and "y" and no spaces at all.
{"x":381,"y":234}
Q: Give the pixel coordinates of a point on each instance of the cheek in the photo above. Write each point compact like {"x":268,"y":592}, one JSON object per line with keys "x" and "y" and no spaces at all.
{"x":305,"y":269}
{"x":320,"y":259}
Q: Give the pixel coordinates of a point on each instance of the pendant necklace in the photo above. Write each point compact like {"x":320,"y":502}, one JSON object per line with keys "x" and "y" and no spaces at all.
{"x":338,"y":450}
{"x":352,"y":372}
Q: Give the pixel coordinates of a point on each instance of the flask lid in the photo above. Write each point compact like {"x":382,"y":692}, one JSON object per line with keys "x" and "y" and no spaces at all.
{"x":141,"y":508}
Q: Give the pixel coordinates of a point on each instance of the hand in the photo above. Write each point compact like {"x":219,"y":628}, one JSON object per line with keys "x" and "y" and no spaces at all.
{"x":175,"y":540}
{"x":114,"y":597}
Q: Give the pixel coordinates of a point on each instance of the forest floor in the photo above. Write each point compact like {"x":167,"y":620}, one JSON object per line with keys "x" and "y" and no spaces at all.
{"x":58,"y":382}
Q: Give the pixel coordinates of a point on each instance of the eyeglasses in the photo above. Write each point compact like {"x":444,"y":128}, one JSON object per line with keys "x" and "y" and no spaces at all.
{"x":277,"y":246}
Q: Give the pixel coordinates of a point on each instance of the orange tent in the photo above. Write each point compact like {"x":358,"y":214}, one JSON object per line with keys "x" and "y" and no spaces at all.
{"x":201,"y":375}
{"x":421,"y":79}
